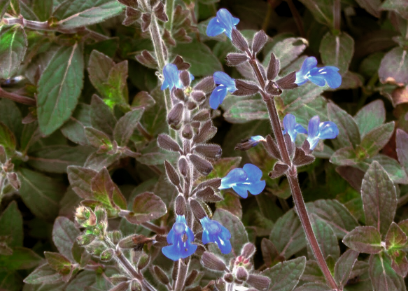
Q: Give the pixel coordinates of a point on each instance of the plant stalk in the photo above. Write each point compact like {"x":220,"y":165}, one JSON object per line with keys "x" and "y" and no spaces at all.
{"x":336,"y":15}
{"x":169,"y":12}
{"x":292,"y":177}
{"x":17,"y":98}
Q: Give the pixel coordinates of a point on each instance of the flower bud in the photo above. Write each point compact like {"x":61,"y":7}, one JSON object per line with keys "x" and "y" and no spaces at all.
{"x":181,"y":64}
{"x":290,"y":146}
{"x":214,"y":183}
{"x":185,"y":78}
{"x":245,"y":88}
{"x":272,"y":148}
{"x":180,"y":205}
{"x":242,"y":274}
{"x":115,"y":236}
{"x":202,"y":115}
{"x":143,"y":261}
{"x":273,"y":89}
{"x":278,"y":170}
{"x":248,"y":250}
{"x":195,"y":124}
{"x":175,"y":115}
{"x":183,"y":166}
{"x":206,"y":85}
{"x":301,"y":159}
{"x":259,"y":41}
{"x":85,"y":216}
{"x":197,"y":209}
{"x":85,"y":239}
{"x":107,"y":255}
{"x":207,"y":194}
{"x":212,"y":262}
{"x":239,"y":41}
{"x":14,"y":180}
{"x":179,"y":94}
{"x":235,"y":59}
{"x":165,"y":142}
{"x":159,"y":12}
{"x":191,"y":105}
{"x":259,"y":282}
{"x":168,"y":38}
{"x":95,"y":248}
{"x":191,"y":278}
{"x":160,"y":240}
{"x":161,"y":275}
{"x":172,"y":173}
{"x":145,"y":58}
{"x":182,"y":36}
{"x":273,"y":67}
{"x":115,"y":279}
{"x":211,"y":151}
{"x":198,"y":96}
{"x":134,"y":241}
{"x":229,"y":278}
{"x":287,"y":82}
{"x":135,"y":286}
{"x":131,"y":16}
{"x":187,"y":131}
{"x":146,"y":19}
{"x":206,"y":132}
{"x":202,"y":165}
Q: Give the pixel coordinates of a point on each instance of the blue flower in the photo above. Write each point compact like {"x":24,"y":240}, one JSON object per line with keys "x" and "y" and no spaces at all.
{"x":291,"y":127}
{"x":316,"y":75}
{"x":246,"y":144}
{"x":223,"y":22}
{"x":225,"y":83}
{"x":171,"y":77}
{"x":243,"y":180}
{"x":214,"y":232}
{"x":180,"y":237}
{"x":320,"y":130}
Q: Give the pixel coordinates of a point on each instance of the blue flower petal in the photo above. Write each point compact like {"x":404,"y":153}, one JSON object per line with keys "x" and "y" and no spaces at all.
{"x":318,"y":80}
{"x":253,"y":172}
{"x":308,"y":64}
{"x":333,"y":78}
{"x":171,"y":77}
{"x":221,"y":78}
{"x":214,"y":28}
{"x":214,"y":232}
{"x":257,"y":138}
{"x":224,"y":245}
{"x":300,"y":129}
{"x":313,"y":129}
{"x":289,"y":123}
{"x":328,"y":130}
{"x":257,"y":187}
{"x":226,"y":20}
{"x":217,"y":96}
{"x":236,"y":175}
{"x":242,"y":190}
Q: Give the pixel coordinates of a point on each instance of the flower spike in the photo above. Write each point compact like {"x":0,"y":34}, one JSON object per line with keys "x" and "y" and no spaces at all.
{"x":320,"y":130}
{"x":223,"y":22}
{"x":243,"y":180}
{"x":291,"y":127}
{"x":319,"y":76}
{"x":180,"y":239}
{"x":171,"y":77}
{"x":214,"y":232}
{"x":225,"y":83}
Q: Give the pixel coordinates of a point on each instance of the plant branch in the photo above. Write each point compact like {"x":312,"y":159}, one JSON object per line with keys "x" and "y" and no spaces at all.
{"x":292,"y":176}
{"x":17,"y":98}
{"x":296,"y":16}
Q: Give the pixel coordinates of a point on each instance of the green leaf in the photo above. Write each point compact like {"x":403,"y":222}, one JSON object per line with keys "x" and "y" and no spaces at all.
{"x":348,"y":130}
{"x":80,"y":180}
{"x":383,"y":277}
{"x":335,"y":214}
{"x":296,"y":98}
{"x":325,"y":237}
{"x":344,"y":157}
{"x":322,"y":11}
{"x":287,"y":235}
{"x":13,"y":46}
{"x":108,"y":78}
{"x":377,"y":138}
{"x":58,"y":262}
{"x":337,"y":51}
{"x":399,"y":6}
{"x":126,"y":125}
{"x":371,"y":6}
{"x":64,"y":235}
{"x":4,"y":4}
{"x":344,"y":267}
{"x":369,"y":66}
{"x":395,"y":238}
{"x":230,"y":203}
{"x":303,"y":113}
{"x":239,"y":236}
{"x":22,"y":258}
{"x":40,"y":193}
{"x":11,"y":225}
{"x":102,"y":117}
{"x":30,"y":135}
{"x":223,"y":166}
{"x":43,"y":275}
{"x":203,"y":61}
{"x":7,"y":140}
{"x":364,"y":239}
{"x":286,"y":275}
{"x":370,"y":117}
{"x":269,"y":253}
{"x":378,"y":193}
{"x":11,"y":116}
{"x":74,"y":128}
{"x":146,"y":207}
{"x":392,"y":167}
{"x":246,"y":110}
{"x":59,"y":88}
{"x":286,"y":51}
{"x":56,"y":159}
{"x":98,"y":138}
{"x":76,"y":13}
{"x":99,"y":161}
{"x":43,"y":9}
{"x":152,"y":155}
{"x":394,"y":67}
{"x":402,"y":148}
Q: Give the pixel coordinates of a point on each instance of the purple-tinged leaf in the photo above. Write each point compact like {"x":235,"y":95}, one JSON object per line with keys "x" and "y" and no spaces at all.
{"x":344,"y":157}
{"x":382,"y":275}
{"x":314,"y":287}
{"x":270,"y":254}
{"x":126,"y":125}
{"x":64,"y":235}
{"x":394,"y":67}
{"x":337,"y":51}
{"x":370,"y":117}
{"x":402,"y":148}
{"x":322,"y":11}
{"x":326,"y":238}
{"x":377,"y":138}
{"x":378,"y":193}
{"x":344,"y":266}
{"x":349,"y":134}
{"x":60,"y":264}
{"x":146,"y":207}
{"x":73,"y":129}
{"x":399,"y":262}
{"x":399,"y":6}
{"x":364,"y":239}
{"x":43,"y":275}
{"x":13,"y":46}
{"x":102,"y":117}
{"x":286,"y":275}
{"x":7,"y":140}
{"x":80,"y":180}
{"x":395,"y":238}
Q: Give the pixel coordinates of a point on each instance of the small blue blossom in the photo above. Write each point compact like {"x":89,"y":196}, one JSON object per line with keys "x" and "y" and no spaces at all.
{"x":246,"y":144}
{"x":171,"y":77}
{"x":180,"y":237}
{"x":320,"y":130}
{"x":316,"y":75}
{"x":291,"y":127}
{"x":223,"y":22}
{"x":243,"y":180}
{"x":214,"y":232}
{"x":225,"y":83}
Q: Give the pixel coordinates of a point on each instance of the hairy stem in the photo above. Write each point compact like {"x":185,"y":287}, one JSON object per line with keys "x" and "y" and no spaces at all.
{"x":292,"y":177}
{"x":17,"y":98}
